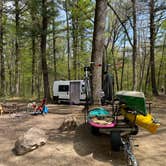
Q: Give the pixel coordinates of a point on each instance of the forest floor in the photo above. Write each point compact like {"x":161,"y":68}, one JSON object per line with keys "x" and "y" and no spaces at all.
{"x":79,"y":147}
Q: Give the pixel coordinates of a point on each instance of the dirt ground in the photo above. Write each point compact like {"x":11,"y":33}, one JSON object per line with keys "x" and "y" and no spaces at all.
{"x":79,"y":147}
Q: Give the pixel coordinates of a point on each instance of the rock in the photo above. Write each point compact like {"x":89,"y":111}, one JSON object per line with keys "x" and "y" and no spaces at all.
{"x":69,"y":124}
{"x":31,"y":140}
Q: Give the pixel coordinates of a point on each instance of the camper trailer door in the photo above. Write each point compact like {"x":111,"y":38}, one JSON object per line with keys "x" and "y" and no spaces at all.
{"x":75,"y":92}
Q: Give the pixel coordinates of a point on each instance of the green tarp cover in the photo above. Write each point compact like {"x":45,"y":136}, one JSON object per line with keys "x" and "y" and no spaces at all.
{"x":133,"y":100}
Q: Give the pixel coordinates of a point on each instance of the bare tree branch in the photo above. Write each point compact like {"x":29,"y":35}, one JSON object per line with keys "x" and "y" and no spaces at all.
{"x":160,"y":8}
{"x":125,"y":29}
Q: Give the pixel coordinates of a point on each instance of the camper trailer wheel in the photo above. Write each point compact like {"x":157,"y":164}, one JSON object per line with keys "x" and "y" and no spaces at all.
{"x":95,"y":131}
{"x":56,"y":99}
{"x":116,"y":141}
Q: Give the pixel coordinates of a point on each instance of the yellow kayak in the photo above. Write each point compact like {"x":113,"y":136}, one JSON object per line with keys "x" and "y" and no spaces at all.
{"x":146,"y":122}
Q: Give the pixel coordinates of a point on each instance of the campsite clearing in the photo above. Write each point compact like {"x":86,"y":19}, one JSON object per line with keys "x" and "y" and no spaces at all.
{"x":77,"y":147}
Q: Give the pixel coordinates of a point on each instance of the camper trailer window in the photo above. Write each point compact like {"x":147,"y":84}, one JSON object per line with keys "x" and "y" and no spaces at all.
{"x":83,"y":88}
{"x":63,"y":88}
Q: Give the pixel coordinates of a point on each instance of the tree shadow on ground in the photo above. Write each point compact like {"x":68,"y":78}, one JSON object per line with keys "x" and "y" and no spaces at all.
{"x":55,"y":135}
{"x":86,"y":144}
{"x":98,"y":146}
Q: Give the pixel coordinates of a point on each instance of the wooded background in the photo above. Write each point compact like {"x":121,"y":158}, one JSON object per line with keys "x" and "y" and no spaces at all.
{"x":46,"y":40}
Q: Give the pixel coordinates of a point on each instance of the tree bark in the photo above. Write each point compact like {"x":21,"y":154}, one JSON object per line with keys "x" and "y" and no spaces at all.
{"x":147,"y":77}
{"x":39,"y":79}
{"x":161,"y":62}
{"x":74,"y":51}
{"x":114,"y":63}
{"x":152,"y":42}
{"x":165,"y":84}
{"x":10,"y":66}
{"x":123,"y":63}
{"x":142,"y":69}
{"x":54,"y":50}
{"x":2,"y":69}
{"x":33,"y":43}
{"x":17,"y":52}
{"x":43,"y":51}
{"x":134,"y":45}
{"x":75,"y":44}
{"x":98,"y":49}
{"x":33,"y":65}
{"x":68,"y":39}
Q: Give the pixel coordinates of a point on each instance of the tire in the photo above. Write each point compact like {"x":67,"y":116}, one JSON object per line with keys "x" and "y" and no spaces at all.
{"x":115,"y":139}
{"x":56,"y":99}
{"x":95,"y":131}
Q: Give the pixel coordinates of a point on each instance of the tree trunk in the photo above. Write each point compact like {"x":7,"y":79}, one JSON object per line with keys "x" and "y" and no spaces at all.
{"x":17,"y":52}
{"x":75,"y":33}
{"x":74,"y":53}
{"x":54,"y":50}
{"x":38,"y":79}
{"x":165,"y":83}
{"x":115,"y":68}
{"x":152,"y":42}
{"x":161,"y":62}
{"x":97,"y":49}
{"x":68,"y":39}
{"x":134,"y":45}
{"x":75,"y":45}
{"x":104,"y":65}
{"x":147,"y":77}
{"x":34,"y":58}
{"x":10,"y":65}
{"x":142,"y":70}
{"x":10,"y":79}
{"x":33,"y":65}
{"x":2,"y":69}
{"x":123,"y":63}
{"x":43,"y":51}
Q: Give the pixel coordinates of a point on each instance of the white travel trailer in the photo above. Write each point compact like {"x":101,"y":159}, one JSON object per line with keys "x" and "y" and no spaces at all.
{"x":72,"y":91}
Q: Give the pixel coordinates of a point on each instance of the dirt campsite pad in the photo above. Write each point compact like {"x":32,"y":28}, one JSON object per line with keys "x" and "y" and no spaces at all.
{"x":79,"y":147}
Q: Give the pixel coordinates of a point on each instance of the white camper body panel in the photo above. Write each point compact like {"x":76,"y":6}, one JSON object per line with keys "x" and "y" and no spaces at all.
{"x":61,"y":89}
{"x":71,"y":91}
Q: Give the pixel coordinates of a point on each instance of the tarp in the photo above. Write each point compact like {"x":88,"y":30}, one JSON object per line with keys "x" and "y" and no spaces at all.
{"x":98,"y":112}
